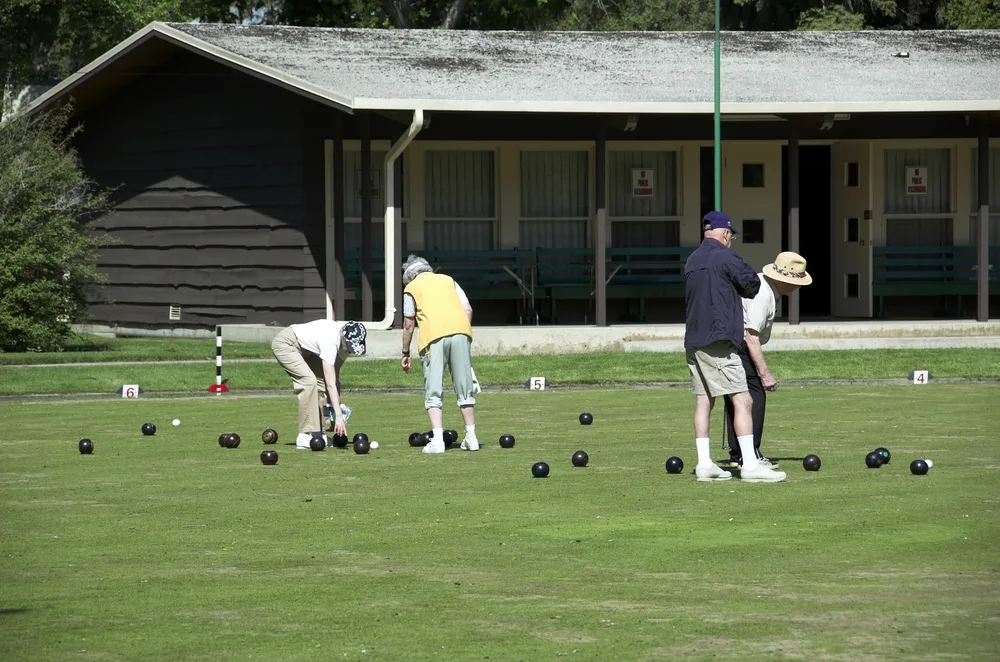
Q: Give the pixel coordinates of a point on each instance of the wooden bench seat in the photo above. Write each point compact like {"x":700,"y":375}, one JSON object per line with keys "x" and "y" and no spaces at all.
{"x":923,"y":271}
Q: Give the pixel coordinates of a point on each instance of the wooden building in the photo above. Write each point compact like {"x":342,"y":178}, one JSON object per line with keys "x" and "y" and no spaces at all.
{"x":239,"y":157}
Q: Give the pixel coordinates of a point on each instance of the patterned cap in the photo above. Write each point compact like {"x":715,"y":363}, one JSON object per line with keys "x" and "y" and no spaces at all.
{"x":354,"y":337}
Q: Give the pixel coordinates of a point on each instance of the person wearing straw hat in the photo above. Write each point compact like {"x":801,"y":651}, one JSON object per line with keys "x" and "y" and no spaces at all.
{"x":780,"y":278}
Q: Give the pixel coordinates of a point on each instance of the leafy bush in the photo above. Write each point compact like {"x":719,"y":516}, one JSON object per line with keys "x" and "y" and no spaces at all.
{"x":47,"y":251}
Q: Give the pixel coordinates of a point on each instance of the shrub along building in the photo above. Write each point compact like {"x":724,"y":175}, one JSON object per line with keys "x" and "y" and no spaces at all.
{"x":560,"y":177}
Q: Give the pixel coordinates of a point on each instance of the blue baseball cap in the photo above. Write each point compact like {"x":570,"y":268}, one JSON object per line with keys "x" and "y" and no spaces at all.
{"x":716,"y":220}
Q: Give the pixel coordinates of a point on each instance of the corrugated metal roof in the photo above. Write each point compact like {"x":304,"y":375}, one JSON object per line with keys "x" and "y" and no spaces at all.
{"x":613,"y":71}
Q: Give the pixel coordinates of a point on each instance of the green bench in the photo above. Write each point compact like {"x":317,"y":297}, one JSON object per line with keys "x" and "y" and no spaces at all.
{"x":501,"y":275}
{"x":352,"y":275}
{"x":646,"y":273}
{"x":637,"y":273}
{"x":564,"y":273}
{"x":922,"y":271}
{"x":493,"y":275}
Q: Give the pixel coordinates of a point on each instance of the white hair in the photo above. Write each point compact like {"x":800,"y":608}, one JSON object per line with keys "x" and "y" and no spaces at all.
{"x":413,"y":267}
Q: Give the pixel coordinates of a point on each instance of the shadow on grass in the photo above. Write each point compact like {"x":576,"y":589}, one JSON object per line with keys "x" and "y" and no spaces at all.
{"x":16,"y":610}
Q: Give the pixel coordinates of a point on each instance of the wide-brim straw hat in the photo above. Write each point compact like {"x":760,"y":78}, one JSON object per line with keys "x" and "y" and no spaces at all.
{"x":790,"y":268}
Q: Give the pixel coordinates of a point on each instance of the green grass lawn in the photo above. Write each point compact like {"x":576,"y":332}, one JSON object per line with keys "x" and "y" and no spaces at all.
{"x":169,"y":547}
{"x":603,"y":368}
{"x":85,"y":348}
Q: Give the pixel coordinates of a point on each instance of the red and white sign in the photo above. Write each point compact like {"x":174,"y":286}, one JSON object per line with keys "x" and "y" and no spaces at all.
{"x":376,"y":178}
{"x":642,"y":183}
{"x":916,"y":180}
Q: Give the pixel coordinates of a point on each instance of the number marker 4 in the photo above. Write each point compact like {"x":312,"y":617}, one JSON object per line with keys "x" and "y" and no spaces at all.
{"x":920,"y":377}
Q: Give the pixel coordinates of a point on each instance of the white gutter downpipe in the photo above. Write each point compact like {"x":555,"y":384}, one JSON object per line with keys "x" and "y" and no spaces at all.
{"x":393,"y":261}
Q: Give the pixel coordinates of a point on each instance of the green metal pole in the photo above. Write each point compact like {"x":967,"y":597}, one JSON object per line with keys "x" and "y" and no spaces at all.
{"x":718,"y":122}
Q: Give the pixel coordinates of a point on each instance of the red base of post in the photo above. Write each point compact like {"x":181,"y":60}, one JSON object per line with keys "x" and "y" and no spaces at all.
{"x":218,"y":388}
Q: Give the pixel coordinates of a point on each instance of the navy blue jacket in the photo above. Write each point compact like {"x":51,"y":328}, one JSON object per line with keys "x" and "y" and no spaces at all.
{"x":715,"y":278}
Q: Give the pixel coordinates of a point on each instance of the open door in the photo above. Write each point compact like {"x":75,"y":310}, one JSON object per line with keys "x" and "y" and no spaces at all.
{"x":851,"y":232}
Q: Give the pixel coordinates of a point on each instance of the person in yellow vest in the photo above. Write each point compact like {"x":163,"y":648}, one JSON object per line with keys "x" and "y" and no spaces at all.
{"x":436,"y":305}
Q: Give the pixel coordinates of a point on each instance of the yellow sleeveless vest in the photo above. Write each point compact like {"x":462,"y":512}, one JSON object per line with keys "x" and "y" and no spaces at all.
{"x":439,"y":310}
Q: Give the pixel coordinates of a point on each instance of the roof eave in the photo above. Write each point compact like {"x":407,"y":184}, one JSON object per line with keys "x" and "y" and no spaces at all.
{"x":678,"y":108}
{"x":182,"y":40}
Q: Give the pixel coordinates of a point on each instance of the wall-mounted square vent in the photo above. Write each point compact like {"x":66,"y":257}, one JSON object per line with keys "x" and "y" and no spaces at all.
{"x":175,"y":313}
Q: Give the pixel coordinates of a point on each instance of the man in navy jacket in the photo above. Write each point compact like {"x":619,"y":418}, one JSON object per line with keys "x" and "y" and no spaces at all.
{"x":715,"y":281}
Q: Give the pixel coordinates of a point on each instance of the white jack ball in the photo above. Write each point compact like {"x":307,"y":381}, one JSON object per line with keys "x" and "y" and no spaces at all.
{"x":929,"y":463}
{"x":374,"y":444}
{"x":177,"y":422}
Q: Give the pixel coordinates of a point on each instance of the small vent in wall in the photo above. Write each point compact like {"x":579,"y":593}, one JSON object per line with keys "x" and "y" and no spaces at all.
{"x":175,"y":313}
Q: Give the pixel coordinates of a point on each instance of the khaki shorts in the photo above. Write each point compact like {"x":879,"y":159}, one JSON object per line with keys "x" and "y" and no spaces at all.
{"x":716,"y":370}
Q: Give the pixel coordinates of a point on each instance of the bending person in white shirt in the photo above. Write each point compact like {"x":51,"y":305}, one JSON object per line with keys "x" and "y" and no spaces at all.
{"x":312,"y":354}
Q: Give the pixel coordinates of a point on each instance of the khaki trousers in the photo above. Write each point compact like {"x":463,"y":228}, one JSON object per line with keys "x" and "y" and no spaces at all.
{"x":308,"y":382}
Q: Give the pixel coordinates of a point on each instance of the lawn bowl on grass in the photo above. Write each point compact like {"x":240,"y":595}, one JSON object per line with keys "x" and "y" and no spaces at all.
{"x":213,"y":556}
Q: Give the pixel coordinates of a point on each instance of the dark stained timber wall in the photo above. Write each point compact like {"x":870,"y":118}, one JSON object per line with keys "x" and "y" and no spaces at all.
{"x":219,"y":199}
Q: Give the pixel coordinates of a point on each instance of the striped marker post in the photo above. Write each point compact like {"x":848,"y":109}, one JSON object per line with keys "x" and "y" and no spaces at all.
{"x":218,"y":387}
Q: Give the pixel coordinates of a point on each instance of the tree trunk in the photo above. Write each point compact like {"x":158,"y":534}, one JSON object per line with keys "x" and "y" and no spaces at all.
{"x":455,"y":13}
{"x":398,"y":12}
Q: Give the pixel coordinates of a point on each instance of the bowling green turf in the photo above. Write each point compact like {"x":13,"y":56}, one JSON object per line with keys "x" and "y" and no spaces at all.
{"x":171,"y":548}
{"x":596,"y":368}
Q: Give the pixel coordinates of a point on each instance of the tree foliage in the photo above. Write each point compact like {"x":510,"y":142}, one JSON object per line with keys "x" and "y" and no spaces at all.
{"x":47,"y":251}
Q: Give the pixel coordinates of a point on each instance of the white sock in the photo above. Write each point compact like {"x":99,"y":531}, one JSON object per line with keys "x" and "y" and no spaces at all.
{"x":438,"y":436}
{"x":470,"y":432}
{"x":746,"y":449}
{"x":704,"y":455}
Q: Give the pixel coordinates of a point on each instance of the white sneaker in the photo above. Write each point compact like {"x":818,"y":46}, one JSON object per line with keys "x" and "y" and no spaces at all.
{"x":770,"y":464}
{"x":762,"y":474}
{"x":435,"y":446}
{"x":470,"y":444}
{"x":710,"y":472}
{"x":302,"y":441}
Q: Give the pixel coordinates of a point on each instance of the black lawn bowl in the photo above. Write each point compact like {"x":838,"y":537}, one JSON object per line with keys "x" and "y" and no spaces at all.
{"x":540,"y":469}
{"x":919,"y":468}
{"x":222,"y":439}
{"x":884,"y":452}
{"x":674,"y":465}
{"x":362,"y":446}
{"x":86,"y":446}
{"x":269,"y":436}
{"x":269,"y":457}
{"x":359,"y":437}
{"x":450,"y":437}
{"x":317,"y":442}
{"x":812,"y":463}
{"x":506,"y":441}
{"x":580,"y":459}
{"x":586,"y":418}
{"x":148,"y":429}
{"x":417,"y":439}
{"x":339,"y":441}
{"x":232,"y":440}
{"x":873,"y":460}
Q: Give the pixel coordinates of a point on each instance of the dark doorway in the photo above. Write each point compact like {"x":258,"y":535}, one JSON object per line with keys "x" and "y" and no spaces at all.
{"x":707,"y":180}
{"x":815,"y":217}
